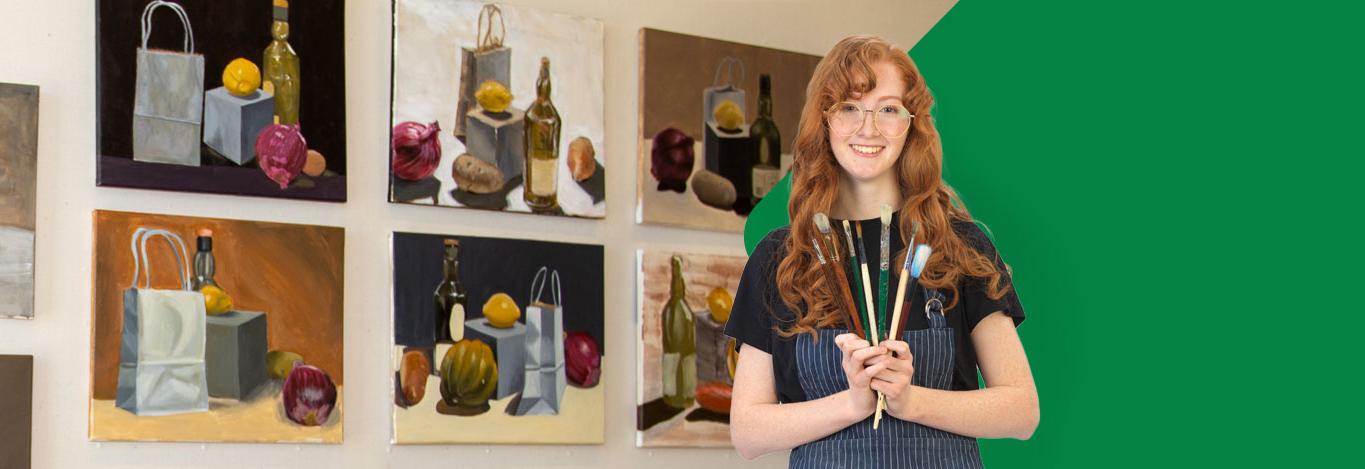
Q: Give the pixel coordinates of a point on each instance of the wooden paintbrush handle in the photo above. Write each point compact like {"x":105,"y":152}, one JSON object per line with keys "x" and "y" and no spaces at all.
{"x":900,"y":304}
{"x":835,"y":273}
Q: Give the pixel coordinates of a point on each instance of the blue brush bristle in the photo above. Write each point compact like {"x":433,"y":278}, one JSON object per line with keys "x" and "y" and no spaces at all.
{"x":921,"y":257}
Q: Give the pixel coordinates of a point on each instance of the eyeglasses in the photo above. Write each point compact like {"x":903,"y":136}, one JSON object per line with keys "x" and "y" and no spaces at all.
{"x":891,"y":120}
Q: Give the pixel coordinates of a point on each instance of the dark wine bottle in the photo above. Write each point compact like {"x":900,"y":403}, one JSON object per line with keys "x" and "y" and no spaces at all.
{"x":451,"y":300}
{"x":767,"y":145}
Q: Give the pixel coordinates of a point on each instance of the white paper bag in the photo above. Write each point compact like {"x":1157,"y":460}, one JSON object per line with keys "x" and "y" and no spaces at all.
{"x":161,"y":359}
{"x":545,"y":380}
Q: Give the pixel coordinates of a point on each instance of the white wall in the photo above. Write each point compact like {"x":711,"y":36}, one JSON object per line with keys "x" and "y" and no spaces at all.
{"x":51,"y":43}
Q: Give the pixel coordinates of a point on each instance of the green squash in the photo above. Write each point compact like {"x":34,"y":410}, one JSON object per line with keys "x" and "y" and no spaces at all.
{"x":469,"y":376}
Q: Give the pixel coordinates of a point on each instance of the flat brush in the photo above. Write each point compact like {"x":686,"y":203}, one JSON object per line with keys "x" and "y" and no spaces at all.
{"x":834,"y":271}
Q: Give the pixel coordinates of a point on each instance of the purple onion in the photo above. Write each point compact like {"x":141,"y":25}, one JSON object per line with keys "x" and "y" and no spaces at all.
{"x":671,"y":159}
{"x":582,"y":361}
{"x":281,"y":152}
{"x":416,"y":150}
{"x":309,"y":395}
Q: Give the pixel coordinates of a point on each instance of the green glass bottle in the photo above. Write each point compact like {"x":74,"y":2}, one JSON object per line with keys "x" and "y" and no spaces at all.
{"x":542,"y":147}
{"x":280,"y":76}
{"x":450,"y":297}
{"x":680,"y":344}
{"x":767,"y":144}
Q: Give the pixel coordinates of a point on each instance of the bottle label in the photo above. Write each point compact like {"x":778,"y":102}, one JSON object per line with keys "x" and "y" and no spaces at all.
{"x":670,"y":374}
{"x":457,"y":322}
{"x":543,"y":176}
{"x":688,"y":376}
{"x":764,"y":180}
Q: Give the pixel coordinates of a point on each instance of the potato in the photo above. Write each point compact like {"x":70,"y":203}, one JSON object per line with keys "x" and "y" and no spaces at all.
{"x":714,"y":190}
{"x":581,"y":162}
{"x":476,"y":175}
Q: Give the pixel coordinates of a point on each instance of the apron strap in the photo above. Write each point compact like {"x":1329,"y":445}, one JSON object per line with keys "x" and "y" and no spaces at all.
{"x":933,"y":309}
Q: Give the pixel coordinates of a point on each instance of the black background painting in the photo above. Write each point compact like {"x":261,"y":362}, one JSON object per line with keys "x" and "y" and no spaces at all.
{"x":223,"y":31}
{"x":488,"y":266}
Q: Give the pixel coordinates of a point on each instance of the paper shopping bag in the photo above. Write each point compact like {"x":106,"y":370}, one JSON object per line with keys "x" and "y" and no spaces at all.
{"x":168,"y":107}
{"x":161,"y":359}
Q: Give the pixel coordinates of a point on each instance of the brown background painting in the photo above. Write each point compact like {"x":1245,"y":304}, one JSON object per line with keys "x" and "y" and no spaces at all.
{"x":293,"y":273}
{"x":16,"y":410}
{"x":701,"y":272}
{"x":18,"y":154}
{"x":676,"y":68}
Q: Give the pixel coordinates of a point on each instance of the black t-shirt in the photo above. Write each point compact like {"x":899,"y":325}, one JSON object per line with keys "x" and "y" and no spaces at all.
{"x":758,"y":309}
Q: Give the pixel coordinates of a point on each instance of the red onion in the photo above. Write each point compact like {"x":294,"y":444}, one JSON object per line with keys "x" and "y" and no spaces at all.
{"x":309,"y":395}
{"x":416,"y":150}
{"x":281,"y":152}
{"x":582,"y":361}
{"x":672,"y":159}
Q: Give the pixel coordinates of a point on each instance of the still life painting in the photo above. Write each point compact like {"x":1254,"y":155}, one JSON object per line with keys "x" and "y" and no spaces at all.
{"x":216,"y":330}
{"x":18,"y":197}
{"x":497,"y":107}
{"x":717,"y":120}
{"x":686,"y":362}
{"x":245,"y":97}
{"x":497,"y":341}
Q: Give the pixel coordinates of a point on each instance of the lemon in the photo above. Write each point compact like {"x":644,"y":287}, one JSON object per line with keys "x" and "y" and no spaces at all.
{"x":728,"y":115}
{"x":216,"y":301}
{"x":493,"y":96}
{"x":241,"y":77}
{"x":720,"y":302}
{"x":501,"y":311}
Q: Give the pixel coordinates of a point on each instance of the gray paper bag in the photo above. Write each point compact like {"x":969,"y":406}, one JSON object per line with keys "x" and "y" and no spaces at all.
{"x":489,"y":60}
{"x":545,"y":380}
{"x":168,"y":107}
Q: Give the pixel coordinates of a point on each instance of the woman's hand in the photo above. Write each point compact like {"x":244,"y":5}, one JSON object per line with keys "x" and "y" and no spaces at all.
{"x":894,"y":379}
{"x":856,"y":354}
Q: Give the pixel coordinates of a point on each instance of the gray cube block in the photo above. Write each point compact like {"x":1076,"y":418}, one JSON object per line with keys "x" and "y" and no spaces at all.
{"x":712,"y":364}
{"x":509,"y":348}
{"x":231,"y":123}
{"x":498,"y":139}
{"x":234,"y":353}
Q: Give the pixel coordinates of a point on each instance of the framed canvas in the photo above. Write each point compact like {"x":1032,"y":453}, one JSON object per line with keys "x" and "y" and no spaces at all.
{"x":717,"y":119}
{"x":18,"y":197}
{"x":216,"y":330}
{"x":241,"y":98}
{"x":497,"y":107}
{"x":686,"y":362}
{"x":497,"y":341}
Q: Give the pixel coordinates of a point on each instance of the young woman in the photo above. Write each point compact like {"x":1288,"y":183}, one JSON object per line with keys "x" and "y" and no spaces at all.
{"x":803,"y":381}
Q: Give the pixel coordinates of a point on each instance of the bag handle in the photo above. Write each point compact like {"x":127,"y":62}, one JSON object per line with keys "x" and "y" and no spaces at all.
{"x":179,"y":11}
{"x":139,"y":248}
{"x":485,"y":38}
{"x":540,"y":279}
{"x":728,"y":64}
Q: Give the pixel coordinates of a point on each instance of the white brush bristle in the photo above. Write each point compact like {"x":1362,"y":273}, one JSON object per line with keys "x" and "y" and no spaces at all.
{"x":921,"y":257}
{"x":822,"y":222}
{"x":886,"y":214}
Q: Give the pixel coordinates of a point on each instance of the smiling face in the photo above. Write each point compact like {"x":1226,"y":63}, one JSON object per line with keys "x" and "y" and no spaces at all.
{"x":867,"y":155}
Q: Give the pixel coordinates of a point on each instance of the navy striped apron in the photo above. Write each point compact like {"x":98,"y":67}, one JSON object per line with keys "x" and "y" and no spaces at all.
{"x":896,"y":443}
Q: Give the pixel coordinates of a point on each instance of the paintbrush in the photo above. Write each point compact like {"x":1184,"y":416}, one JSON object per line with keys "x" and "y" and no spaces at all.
{"x":853,"y":254}
{"x":867,"y":286}
{"x":834,"y":270}
{"x":905,"y":275}
{"x":913,"y":266}
{"x":885,"y":268}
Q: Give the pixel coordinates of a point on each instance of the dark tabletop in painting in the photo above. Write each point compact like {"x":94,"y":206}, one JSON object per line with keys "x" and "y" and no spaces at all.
{"x":491,"y":265}
{"x":224,"y":31}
